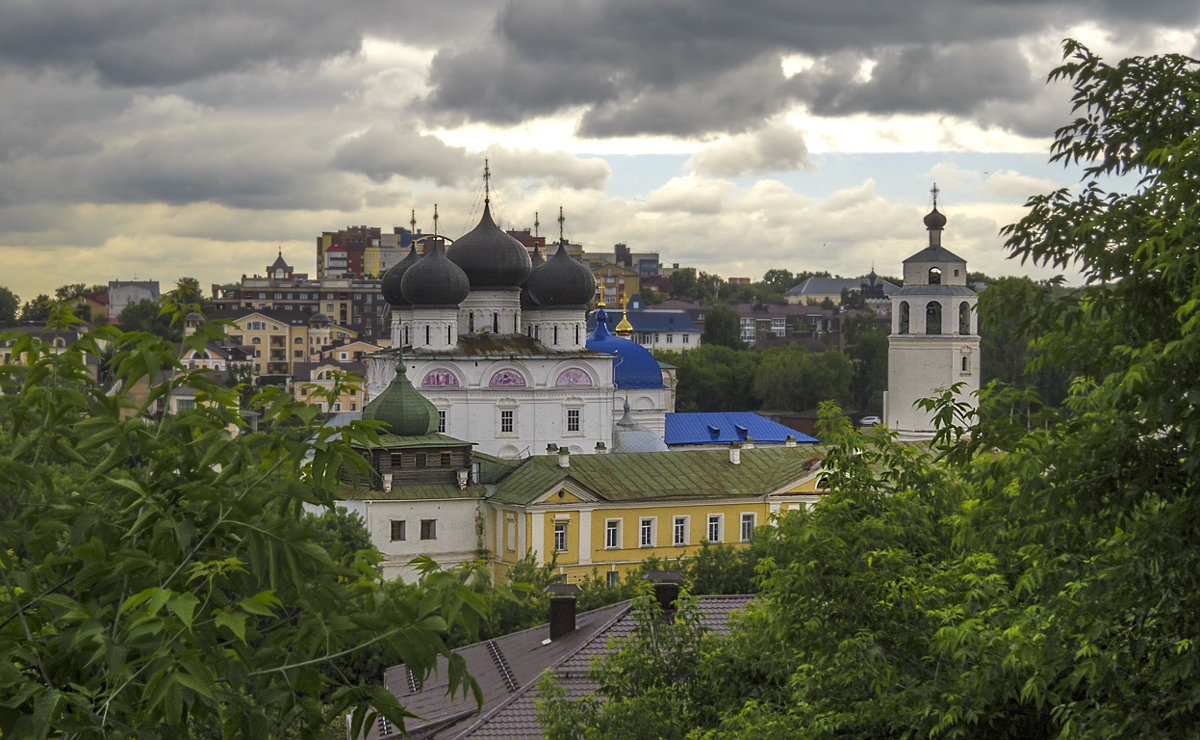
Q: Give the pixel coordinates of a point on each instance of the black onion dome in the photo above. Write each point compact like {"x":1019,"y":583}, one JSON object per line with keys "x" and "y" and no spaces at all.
{"x":562,"y":281}
{"x":527,"y":300}
{"x":435,"y":281}
{"x":491,"y":258}
{"x":390,"y":285}
{"x":935,"y":219}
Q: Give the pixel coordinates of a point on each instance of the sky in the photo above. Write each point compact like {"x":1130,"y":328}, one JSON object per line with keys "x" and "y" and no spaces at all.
{"x":153,"y":139}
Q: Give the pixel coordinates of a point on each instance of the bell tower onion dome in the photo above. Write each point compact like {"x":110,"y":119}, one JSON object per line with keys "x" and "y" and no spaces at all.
{"x":563,"y":281}
{"x":401,"y":408}
{"x":489,"y":257}
{"x":435,"y":281}
{"x":528,"y":302}
{"x":390,"y":285}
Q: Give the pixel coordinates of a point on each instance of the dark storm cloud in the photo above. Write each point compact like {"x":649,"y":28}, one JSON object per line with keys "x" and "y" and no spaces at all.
{"x":688,"y":67}
{"x":382,"y":153}
{"x":162,"y":42}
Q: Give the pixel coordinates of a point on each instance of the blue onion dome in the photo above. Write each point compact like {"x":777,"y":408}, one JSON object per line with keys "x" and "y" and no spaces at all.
{"x":401,"y":408}
{"x":633,"y":365}
{"x":390,"y":285}
{"x":435,"y":281}
{"x":935,"y":219}
{"x":528,"y":302}
{"x":491,"y":258}
{"x":563,"y":281}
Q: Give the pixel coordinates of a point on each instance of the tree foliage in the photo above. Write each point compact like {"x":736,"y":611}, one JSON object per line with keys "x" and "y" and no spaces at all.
{"x":37,"y":310}
{"x":1016,"y":580}
{"x":9,"y":305}
{"x":159,"y":579}
{"x":723,"y":327}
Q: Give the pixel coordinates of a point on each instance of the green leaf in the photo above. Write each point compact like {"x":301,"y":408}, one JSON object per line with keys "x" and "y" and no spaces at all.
{"x":234,"y":621}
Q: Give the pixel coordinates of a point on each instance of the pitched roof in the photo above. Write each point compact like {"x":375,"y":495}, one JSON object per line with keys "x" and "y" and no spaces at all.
{"x":935,"y":254}
{"x":725,"y":427}
{"x":508,"y":668}
{"x":649,"y":321}
{"x":833,"y":286}
{"x":655,"y":476}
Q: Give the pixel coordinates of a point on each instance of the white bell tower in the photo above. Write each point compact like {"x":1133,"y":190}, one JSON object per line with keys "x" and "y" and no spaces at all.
{"x":934,"y":342}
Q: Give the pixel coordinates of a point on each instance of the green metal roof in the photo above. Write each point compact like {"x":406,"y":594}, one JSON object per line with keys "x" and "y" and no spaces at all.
{"x":656,"y":476}
{"x":433,"y":439}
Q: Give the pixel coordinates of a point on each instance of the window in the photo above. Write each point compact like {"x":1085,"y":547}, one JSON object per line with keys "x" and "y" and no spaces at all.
{"x":299,"y":353}
{"x":421,"y":460}
{"x":572,"y":420}
{"x":256,"y":326}
{"x":966,"y":366}
{"x":429,"y":529}
{"x":255,"y":340}
{"x":670,"y":338}
{"x":612,"y":534}
{"x":747,"y":527}
{"x":964,"y":318}
{"x":612,"y":579}
{"x":903,"y":317}
{"x":680,"y":533}
{"x":933,"y":318}
{"x":714,"y":527}
{"x":560,"y":536}
{"x":445,"y":459}
{"x":441,"y":422}
{"x":506,"y":421}
{"x":646,"y":531}
{"x":398,"y":530}
{"x":686,"y":337}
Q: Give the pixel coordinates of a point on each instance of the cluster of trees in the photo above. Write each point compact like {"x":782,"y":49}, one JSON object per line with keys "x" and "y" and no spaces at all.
{"x":161,"y":579}
{"x":38,"y":308}
{"x":1034,"y":580}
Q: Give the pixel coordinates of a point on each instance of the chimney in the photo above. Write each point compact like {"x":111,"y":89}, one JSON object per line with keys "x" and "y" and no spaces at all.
{"x":551,"y":448}
{"x":601,"y":448}
{"x":749,"y":442}
{"x":564,"y":457}
{"x":562,"y":608}
{"x":790,"y":441}
{"x":666,"y":584}
{"x":387,"y":482}
{"x":462,"y":479}
{"x":735,"y":453}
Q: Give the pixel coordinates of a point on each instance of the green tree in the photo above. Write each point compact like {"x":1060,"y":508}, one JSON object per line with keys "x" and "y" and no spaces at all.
{"x":151,"y":317}
{"x":866,"y":339}
{"x":9,"y":304}
{"x":794,"y":378}
{"x":722,"y":327}
{"x":159,"y":579}
{"x":37,"y":309}
{"x":779,"y":280}
{"x":69,"y":291}
{"x":1015,"y":581}
{"x":714,"y":378}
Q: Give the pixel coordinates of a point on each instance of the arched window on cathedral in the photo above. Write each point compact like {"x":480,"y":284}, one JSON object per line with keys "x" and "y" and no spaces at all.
{"x":964,"y":318}
{"x":935,"y":276}
{"x":427,"y":335}
{"x":471,"y":322}
{"x":933,"y":318}
{"x":495,"y":323}
{"x":903,"y":317}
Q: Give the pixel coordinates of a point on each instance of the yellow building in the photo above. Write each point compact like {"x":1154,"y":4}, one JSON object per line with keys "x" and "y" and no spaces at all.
{"x":614,"y":281}
{"x":324,"y":375}
{"x":279,"y":339}
{"x":609,"y":513}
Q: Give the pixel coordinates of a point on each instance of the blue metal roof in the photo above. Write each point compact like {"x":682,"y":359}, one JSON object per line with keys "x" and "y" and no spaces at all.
{"x":649,"y":321}
{"x":724,"y":427}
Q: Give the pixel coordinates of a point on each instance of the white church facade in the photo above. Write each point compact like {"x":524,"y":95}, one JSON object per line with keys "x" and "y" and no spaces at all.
{"x":498,"y":342}
{"x":934,"y":340}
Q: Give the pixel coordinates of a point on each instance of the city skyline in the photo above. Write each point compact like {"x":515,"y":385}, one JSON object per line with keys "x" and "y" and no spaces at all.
{"x":197,"y":139}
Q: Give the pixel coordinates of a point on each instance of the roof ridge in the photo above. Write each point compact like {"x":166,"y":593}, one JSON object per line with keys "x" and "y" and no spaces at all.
{"x":520,"y":692}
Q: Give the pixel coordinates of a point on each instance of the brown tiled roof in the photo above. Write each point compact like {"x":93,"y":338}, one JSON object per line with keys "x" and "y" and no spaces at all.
{"x":508,"y":668}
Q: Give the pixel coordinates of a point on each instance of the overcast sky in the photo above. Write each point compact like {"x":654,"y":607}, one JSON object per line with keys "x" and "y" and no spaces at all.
{"x":160,"y":138}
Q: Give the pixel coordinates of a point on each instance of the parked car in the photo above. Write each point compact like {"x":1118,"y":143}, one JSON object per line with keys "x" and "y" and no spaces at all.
{"x":869,"y":421}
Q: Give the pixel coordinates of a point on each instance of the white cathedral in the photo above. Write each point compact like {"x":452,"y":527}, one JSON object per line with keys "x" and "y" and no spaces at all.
{"x":498,"y":342}
{"x":934,"y":342}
